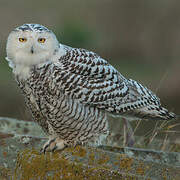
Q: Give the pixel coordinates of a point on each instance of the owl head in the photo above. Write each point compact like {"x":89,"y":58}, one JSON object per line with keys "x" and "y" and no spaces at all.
{"x":29,"y":45}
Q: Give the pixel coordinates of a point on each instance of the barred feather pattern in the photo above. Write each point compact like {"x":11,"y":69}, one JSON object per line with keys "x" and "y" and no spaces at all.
{"x":73,"y":96}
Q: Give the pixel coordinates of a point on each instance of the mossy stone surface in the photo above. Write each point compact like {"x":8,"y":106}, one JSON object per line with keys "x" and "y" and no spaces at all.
{"x":20,"y":159}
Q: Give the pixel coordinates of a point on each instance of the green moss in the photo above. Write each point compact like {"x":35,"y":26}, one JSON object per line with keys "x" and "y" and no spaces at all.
{"x":77,"y":151}
{"x":5,"y":173}
{"x":81,"y":163}
{"x":125,"y":162}
{"x":32,"y":165}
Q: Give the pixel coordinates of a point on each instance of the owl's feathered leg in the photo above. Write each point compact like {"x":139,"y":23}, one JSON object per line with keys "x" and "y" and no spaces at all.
{"x":53,"y":144}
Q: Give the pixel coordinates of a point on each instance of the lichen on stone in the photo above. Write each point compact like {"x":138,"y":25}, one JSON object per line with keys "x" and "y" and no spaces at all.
{"x":32,"y":165}
{"x":5,"y":173}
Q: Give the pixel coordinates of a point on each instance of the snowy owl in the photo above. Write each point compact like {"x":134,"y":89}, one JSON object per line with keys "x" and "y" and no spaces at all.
{"x":71,"y":91}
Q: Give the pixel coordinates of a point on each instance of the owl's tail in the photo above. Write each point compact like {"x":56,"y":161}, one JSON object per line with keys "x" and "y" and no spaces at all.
{"x":156,"y":112}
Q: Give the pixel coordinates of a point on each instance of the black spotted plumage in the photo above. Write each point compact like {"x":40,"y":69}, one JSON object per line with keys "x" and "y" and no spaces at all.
{"x":32,"y":27}
{"x":74,"y":95}
{"x":71,"y":93}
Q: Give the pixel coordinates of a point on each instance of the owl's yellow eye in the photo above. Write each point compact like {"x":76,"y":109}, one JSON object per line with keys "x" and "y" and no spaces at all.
{"x":41,"y":40}
{"x":22,"y":39}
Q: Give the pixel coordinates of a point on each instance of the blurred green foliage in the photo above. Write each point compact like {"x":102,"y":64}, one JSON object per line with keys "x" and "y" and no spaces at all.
{"x":75,"y":34}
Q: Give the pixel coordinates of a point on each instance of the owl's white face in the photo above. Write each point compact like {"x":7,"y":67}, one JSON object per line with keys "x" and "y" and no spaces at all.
{"x":29,"y":45}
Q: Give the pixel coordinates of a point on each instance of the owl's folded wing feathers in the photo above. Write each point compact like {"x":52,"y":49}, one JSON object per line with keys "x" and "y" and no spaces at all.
{"x":85,"y":76}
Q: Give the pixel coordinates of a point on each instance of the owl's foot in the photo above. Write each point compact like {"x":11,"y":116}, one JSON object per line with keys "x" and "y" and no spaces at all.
{"x":53,"y":144}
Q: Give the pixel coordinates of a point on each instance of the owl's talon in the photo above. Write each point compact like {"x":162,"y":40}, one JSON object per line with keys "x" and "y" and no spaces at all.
{"x":43,"y":149}
{"x":53,"y":145}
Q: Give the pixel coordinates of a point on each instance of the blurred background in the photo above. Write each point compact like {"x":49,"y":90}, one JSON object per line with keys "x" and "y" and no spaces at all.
{"x":140,"y":38}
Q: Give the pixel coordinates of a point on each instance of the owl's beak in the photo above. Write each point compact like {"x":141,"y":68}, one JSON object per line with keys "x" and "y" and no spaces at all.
{"x":32,"y":49}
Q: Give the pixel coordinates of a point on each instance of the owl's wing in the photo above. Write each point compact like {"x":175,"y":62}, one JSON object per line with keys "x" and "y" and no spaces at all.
{"x":85,"y":76}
